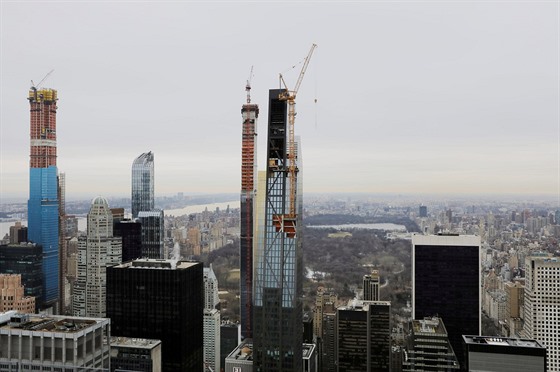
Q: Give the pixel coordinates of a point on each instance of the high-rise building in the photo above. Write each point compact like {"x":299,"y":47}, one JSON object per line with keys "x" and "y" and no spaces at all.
{"x":241,"y":358}
{"x":324,"y":299}
{"x":309,"y":353}
{"x":25,"y":259}
{"x":12,"y":296}
{"x":446,"y":282}
{"x":131,"y":235}
{"x":363,"y":336}
{"x":327,"y":359}
{"x":514,"y":306}
{"x":541,"y":315}
{"x":62,"y":243}
{"x":152,"y":230}
{"x":428,"y":348}
{"x":96,"y":251}
{"x":250,"y":113}
{"x":53,"y":343}
{"x":42,"y":207}
{"x":230,"y":337}
{"x":211,"y":298}
{"x":371,"y":286}
{"x":142,"y":183}
{"x":211,"y":339}
{"x":16,"y":233}
{"x":162,"y":300}
{"x":423,"y":211}
{"x":502,"y":354}
{"x":277,"y":308}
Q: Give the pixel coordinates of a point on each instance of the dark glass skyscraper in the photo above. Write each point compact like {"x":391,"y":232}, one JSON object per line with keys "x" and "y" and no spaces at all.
{"x":162,"y":300}
{"x":446,"y":283}
{"x":143,"y":183}
{"x":363,"y":336}
{"x":25,"y":259}
{"x":152,"y":233}
{"x":43,"y":201}
{"x":277,"y":310}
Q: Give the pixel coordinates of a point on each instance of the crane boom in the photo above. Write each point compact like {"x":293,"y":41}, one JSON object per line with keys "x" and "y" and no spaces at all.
{"x":287,"y":222}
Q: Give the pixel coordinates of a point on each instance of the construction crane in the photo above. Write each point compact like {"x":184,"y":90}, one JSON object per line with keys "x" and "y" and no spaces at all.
{"x":287,"y":223}
{"x":35,"y":87}
{"x":248,"y":86}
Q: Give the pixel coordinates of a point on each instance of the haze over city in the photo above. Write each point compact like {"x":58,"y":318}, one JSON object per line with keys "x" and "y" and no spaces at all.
{"x":411,"y":97}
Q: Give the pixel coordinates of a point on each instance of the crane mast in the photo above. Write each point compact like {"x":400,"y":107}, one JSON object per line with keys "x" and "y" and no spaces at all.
{"x":287,"y":222}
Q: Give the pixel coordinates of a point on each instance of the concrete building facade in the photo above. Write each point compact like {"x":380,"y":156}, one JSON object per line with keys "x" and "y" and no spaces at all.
{"x":33,"y":342}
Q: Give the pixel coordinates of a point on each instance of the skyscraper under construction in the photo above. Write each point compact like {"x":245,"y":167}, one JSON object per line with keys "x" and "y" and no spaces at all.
{"x":277,"y":310}
{"x":43,"y":204}
{"x":250,"y":113}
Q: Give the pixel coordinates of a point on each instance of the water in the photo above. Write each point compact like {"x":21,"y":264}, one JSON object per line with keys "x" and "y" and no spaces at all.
{"x":82,"y":221}
{"x":200,"y":208}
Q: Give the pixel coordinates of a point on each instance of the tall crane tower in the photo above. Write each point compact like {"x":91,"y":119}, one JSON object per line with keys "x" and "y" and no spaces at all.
{"x":287,"y":222}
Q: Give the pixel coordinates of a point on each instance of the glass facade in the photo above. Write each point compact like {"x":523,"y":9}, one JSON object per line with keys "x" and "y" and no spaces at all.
{"x":143,"y":183}
{"x":42,"y":210}
{"x":446,"y":283}
{"x":157,"y":300}
{"x":27,"y":260}
{"x":152,"y":233}
{"x":277,"y":311}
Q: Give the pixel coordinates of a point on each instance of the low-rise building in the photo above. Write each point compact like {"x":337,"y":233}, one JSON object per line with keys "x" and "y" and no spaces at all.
{"x":135,"y":354}
{"x":502,"y":354}
{"x":36,"y":342}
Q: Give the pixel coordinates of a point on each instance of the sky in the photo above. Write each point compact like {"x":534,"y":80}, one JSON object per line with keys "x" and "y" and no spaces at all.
{"x":399,"y":97}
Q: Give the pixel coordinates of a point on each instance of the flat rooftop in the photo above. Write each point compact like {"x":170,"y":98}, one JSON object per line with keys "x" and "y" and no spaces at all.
{"x":43,"y":323}
{"x":152,"y":263}
{"x":243,"y":351}
{"x":502,"y":341}
{"x":142,"y":343}
{"x":432,"y":325}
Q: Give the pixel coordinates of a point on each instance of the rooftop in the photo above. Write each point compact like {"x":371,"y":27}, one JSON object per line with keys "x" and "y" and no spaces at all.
{"x":308,"y":350}
{"x":43,"y":323}
{"x":243,"y":351}
{"x":143,"y":343}
{"x":502,"y":341}
{"x":153,"y":263}
{"x":432,"y":325}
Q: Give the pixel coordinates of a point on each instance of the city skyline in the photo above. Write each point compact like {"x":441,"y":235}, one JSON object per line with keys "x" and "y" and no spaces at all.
{"x":414,"y":97}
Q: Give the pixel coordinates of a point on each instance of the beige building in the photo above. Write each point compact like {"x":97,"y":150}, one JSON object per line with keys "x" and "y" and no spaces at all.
{"x":54,"y":343}
{"x":12,"y":296}
{"x":324,"y":300}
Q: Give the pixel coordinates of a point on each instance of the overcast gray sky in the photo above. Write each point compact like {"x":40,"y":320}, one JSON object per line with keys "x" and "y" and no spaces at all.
{"x":412,"y":96}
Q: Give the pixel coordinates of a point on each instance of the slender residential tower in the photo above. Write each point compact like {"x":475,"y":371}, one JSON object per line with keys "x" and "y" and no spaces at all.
{"x":277,"y":309}
{"x":250,"y":113}
{"x":143,"y":183}
{"x":43,"y":202}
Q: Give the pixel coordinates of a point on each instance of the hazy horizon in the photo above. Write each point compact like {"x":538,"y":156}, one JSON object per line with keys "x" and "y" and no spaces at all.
{"x":415,"y":97}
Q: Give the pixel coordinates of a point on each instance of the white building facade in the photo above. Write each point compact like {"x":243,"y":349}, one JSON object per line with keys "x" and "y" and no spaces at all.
{"x":212,"y":339}
{"x":96,"y":251}
{"x":541,"y":306}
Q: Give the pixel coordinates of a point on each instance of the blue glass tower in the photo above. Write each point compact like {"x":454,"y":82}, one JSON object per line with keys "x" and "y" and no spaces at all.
{"x":43,"y":201}
{"x":143,"y":183}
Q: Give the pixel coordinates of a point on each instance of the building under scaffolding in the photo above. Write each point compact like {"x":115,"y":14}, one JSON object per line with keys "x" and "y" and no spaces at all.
{"x":43,"y":204}
{"x":250,"y":113}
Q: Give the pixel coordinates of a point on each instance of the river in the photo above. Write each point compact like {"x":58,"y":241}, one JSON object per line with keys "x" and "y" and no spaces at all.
{"x":82,"y":221}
